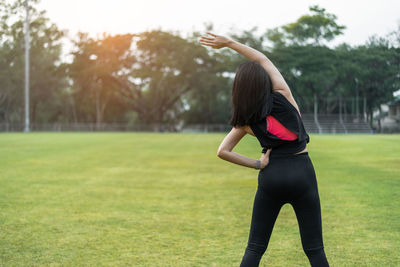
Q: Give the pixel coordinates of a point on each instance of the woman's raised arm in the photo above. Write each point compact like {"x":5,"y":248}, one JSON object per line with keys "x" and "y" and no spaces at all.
{"x":218,"y":41}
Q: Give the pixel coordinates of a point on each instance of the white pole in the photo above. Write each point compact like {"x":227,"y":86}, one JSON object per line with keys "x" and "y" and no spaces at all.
{"x":27,"y":68}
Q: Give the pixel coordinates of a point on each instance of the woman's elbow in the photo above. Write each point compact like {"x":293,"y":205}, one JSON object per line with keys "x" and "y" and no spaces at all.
{"x":221,"y":153}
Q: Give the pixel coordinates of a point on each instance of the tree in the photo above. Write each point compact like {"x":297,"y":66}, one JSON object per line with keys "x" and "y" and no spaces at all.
{"x":308,"y":29}
{"x":96,"y":71}
{"x":47,"y":76}
{"x":378,"y":73}
{"x":167,"y":67}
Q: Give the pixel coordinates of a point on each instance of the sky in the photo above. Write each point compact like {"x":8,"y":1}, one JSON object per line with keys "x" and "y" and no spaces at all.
{"x":363,"y":18}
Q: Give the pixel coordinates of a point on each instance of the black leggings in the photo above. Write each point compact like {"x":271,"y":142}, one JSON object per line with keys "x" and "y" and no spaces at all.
{"x":286,"y":179}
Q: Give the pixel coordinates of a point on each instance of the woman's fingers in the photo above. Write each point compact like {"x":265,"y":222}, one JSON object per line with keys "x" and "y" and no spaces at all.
{"x":213,"y":42}
{"x":206,"y":38}
{"x":207,"y":43}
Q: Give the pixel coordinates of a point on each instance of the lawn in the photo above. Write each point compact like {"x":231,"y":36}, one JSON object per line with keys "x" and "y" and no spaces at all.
{"x":166,"y":199}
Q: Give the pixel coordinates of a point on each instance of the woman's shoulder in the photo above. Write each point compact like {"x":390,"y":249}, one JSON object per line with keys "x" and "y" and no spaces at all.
{"x":286,"y":96}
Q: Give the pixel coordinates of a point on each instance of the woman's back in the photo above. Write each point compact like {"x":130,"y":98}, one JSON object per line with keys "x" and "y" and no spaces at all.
{"x":282,"y":129}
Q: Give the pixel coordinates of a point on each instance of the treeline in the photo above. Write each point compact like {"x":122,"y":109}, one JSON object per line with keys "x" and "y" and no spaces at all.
{"x":161,"y":77}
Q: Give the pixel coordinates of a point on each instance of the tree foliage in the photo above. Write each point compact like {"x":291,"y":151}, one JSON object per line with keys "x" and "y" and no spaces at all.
{"x":47,"y":72}
{"x":311,"y":29}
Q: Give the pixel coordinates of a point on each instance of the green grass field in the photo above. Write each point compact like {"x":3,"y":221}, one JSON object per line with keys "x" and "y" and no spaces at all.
{"x":166,"y":199}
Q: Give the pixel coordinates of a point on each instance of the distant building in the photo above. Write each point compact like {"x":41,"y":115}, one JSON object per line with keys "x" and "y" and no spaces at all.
{"x":390,"y":118}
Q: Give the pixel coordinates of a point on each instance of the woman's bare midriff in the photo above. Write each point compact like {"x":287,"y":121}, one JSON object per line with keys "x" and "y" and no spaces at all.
{"x":304,"y":150}
{"x":249,"y":131}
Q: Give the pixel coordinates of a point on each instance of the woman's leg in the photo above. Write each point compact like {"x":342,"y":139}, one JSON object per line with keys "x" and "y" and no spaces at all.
{"x":265,"y":212}
{"x":308,"y":213}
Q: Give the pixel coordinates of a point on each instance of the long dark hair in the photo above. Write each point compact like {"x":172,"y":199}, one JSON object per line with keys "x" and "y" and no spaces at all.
{"x":251,"y":94}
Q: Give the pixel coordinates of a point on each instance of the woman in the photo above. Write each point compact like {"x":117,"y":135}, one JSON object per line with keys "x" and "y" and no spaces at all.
{"x":263,"y":106}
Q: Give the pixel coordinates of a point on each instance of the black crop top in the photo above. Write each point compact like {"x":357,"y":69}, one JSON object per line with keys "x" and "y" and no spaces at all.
{"x":283,"y":111}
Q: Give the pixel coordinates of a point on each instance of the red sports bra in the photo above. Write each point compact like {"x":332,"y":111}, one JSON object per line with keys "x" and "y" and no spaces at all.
{"x":277,"y":129}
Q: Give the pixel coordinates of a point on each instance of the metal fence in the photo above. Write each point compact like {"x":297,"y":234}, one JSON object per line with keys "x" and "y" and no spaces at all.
{"x":111,"y":127}
{"x":330,"y":123}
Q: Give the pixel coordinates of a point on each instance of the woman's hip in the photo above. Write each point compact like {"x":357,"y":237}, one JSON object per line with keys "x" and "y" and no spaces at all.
{"x":288,"y":175}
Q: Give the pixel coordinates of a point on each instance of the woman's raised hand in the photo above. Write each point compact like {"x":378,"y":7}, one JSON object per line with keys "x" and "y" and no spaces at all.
{"x":217,"y":41}
{"x":265,"y":158}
